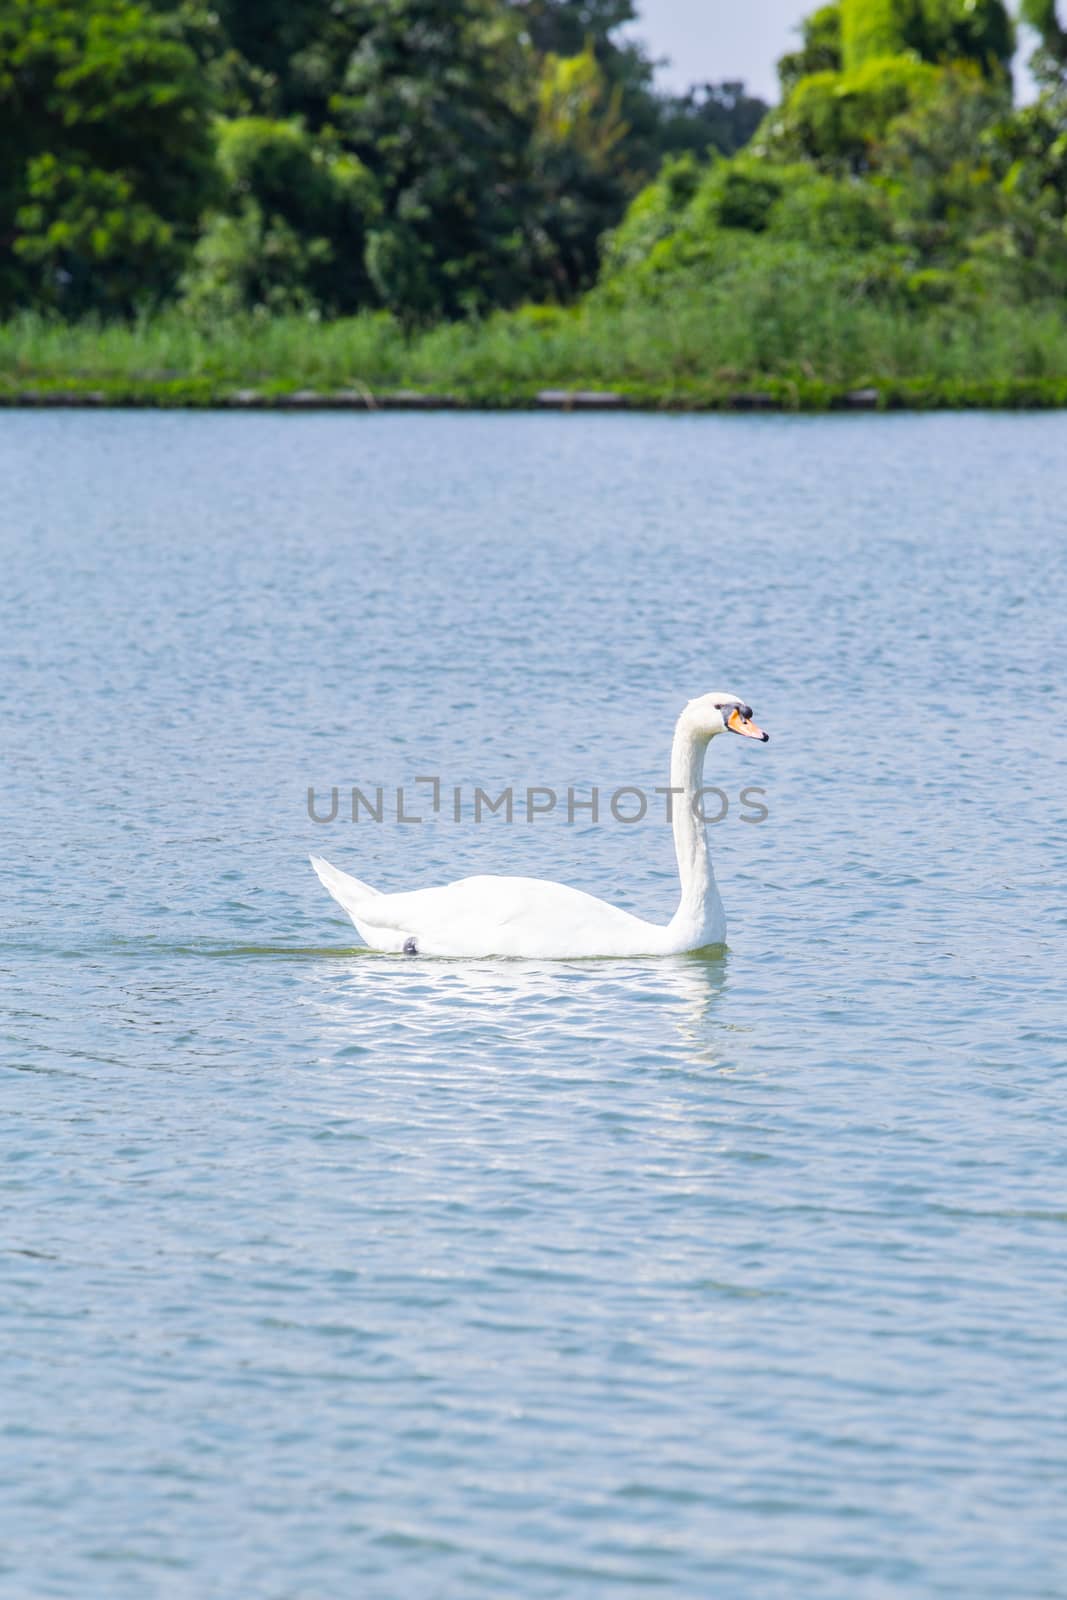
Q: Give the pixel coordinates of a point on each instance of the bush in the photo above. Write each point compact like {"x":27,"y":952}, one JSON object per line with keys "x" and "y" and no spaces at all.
{"x":838,"y":214}
{"x":653,"y":215}
{"x":740,"y":195}
{"x":294,"y":233}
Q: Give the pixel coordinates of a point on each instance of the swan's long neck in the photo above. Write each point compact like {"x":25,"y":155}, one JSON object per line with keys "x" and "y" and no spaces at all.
{"x":700,"y":912}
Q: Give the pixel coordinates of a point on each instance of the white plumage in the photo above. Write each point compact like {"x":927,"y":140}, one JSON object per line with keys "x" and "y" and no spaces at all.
{"x":505,"y":916}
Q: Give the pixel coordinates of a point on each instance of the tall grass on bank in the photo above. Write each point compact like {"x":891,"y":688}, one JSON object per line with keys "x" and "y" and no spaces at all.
{"x":694,"y":346}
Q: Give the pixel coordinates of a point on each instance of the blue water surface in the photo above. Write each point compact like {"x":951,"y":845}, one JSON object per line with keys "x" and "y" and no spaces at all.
{"x":329,"y":1274}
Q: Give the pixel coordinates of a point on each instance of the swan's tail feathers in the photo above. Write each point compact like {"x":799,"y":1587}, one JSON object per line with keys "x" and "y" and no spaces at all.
{"x":349,"y":892}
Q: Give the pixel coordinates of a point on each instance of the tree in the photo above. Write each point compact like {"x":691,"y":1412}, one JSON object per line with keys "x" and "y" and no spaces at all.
{"x":438,"y":157}
{"x":710,"y":116}
{"x":1050,"y":60}
{"x":820,"y":50}
{"x":838,"y":120}
{"x":108,"y":154}
{"x":566,"y":27}
{"x":892,"y":56}
{"x":576,"y":174}
{"x":937,"y":31}
{"x":978,"y":31}
{"x":297,"y":49}
{"x":1032,"y":143}
{"x":436,"y":104}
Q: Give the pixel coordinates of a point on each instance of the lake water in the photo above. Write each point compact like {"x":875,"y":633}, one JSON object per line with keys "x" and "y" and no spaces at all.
{"x":328,"y":1274}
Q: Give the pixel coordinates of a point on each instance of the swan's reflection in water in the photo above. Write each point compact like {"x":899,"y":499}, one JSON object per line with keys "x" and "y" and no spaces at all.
{"x":523,"y":1084}
{"x":556,"y":1016}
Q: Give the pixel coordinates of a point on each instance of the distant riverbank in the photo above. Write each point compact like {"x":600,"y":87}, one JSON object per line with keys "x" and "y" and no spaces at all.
{"x":695,"y":354}
{"x":809,"y":398}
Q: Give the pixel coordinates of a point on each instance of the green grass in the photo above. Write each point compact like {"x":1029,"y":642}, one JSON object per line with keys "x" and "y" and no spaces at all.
{"x":785,"y":339}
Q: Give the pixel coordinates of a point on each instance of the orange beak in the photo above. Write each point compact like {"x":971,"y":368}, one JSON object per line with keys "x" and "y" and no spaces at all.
{"x":737,"y":724}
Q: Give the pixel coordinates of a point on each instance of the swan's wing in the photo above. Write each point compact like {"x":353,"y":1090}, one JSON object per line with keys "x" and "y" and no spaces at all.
{"x":507,"y":916}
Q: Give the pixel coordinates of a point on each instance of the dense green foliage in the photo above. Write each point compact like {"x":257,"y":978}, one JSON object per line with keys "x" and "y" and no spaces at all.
{"x":865,"y":62}
{"x":292,"y":231}
{"x":896,"y":180}
{"x":436,"y":157}
{"x":107,"y":153}
{"x":934,"y":30}
{"x":414,"y":170}
{"x":1050,"y":62}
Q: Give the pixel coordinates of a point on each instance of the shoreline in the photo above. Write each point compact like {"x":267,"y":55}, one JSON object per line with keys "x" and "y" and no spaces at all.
{"x":779,"y":396}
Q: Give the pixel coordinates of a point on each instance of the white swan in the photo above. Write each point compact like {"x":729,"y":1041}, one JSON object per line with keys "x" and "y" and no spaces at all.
{"x":498,"y":916}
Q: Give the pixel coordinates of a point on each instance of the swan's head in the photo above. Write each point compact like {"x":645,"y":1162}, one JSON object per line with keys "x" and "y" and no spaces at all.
{"x":721,"y":713}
